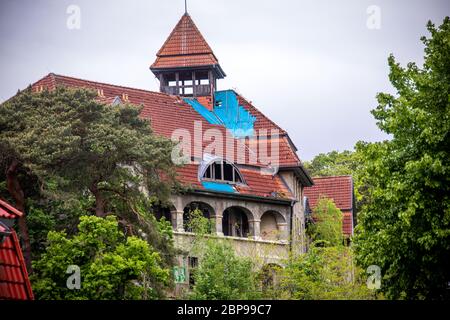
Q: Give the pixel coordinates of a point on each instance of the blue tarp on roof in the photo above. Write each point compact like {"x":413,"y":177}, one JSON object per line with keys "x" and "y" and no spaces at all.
{"x":235,"y":117}
{"x":227,"y":112}
{"x":205,"y":113}
{"x":217,"y":186}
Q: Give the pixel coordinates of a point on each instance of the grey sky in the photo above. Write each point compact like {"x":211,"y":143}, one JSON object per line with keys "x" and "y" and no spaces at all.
{"x":313,"y":67}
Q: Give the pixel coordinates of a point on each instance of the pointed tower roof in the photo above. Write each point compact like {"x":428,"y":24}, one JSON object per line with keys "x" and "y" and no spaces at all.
{"x":185,"y":48}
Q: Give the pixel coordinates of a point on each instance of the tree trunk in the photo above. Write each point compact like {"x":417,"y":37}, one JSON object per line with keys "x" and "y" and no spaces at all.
{"x":99,"y":201}
{"x":15,"y":190}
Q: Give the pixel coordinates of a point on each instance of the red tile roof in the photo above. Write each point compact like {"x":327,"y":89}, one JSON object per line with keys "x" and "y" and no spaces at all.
{"x":14,"y":282}
{"x":8,"y":211}
{"x":257,"y":184}
{"x":340,"y":190}
{"x":168,"y":113}
{"x":185,"y":47}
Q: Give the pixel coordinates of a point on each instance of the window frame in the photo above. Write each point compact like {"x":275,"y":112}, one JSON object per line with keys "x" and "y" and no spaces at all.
{"x":236,"y":174}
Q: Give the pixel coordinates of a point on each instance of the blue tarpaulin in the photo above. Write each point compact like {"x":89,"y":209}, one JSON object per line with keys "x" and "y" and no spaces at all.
{"x":208,"y":115}
{"x":217,"y":186}
{"x":235,"y":117}
{"x":227,"y":112}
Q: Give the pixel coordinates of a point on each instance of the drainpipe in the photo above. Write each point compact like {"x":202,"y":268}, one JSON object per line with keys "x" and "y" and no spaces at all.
{"x":291,"y":225}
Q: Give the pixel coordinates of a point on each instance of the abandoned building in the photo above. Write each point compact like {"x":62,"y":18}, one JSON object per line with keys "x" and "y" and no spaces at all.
{"x":243,"y":169}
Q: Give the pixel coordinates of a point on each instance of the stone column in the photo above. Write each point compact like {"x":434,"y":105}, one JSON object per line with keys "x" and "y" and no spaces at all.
{"x":255,"y":228}
{"x":217,"y":224}
{"x":177,"y":220}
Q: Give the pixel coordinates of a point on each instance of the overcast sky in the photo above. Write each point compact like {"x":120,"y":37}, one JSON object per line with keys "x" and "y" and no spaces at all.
{"x":314,"y":67}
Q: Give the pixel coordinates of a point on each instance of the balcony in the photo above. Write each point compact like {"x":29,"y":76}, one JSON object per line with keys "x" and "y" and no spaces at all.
{"x":260,"y":251}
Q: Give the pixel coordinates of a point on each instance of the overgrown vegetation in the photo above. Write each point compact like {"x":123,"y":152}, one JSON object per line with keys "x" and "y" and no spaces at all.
{"x":324,"y":273}
{"x":112,"y":266}
{"x":64,"y":155}
{"x":327,"y":228}
{"x":222,"y":275}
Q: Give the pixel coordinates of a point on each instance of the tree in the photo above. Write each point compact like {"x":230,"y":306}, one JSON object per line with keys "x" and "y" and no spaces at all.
{"x":71,"y":143}
{"x":404,"y":227}
{"x":333,"y":163}
{"x":328,"y":223}
{"x":336,"y":163}
{"x":111,"y":266}
{"x":221,"y":275}
{"x":323,"y":273}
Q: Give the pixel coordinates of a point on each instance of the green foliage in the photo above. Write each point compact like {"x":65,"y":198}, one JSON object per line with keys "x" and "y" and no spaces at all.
{"x":112,"y":266}
{"x":333,"y":163}
{"x":74,"y":143}
{"x":198,"y":223}
{"x":404,"y":227}
{"x":80,"y":156}
{"x":51,"y":215}
{"x":159,"y":234}
{"x":328,"y":223}
{"x":323,"y":273}
{"x":336,"y":163}
{"x":222,"y":275}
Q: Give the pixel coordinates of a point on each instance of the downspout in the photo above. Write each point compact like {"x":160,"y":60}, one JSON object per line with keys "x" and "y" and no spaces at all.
{"x":291,"y":219}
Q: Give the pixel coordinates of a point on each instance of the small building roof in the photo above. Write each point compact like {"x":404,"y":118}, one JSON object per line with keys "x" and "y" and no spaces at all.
{"x":185,"y":48}
{"x":9,"y":212}
{"x":340,"y":190}
{"x":14,"y":281}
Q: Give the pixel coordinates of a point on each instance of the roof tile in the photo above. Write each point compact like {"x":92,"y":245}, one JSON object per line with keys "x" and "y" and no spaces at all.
{"x":185,"y":47}
{"x":340,"y":190}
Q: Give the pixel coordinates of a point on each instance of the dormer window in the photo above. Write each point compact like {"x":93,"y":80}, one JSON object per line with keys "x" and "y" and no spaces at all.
{"x":222,"y":171}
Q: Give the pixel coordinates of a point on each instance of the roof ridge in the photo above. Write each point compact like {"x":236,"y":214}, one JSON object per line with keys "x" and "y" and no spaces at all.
{"x":337,"y":176}
{"x":56,"y":76}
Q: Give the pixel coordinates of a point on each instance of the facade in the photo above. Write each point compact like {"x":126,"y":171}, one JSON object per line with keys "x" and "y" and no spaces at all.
{"x":340,"y":190}
{"x":243,"y":169}
{"x":14,"y":282}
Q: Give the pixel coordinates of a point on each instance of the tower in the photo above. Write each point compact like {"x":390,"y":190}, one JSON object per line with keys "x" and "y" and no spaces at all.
{"x":186,"y":65}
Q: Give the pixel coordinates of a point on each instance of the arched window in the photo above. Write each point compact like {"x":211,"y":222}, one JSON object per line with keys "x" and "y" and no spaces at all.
{"x":221,"y":170}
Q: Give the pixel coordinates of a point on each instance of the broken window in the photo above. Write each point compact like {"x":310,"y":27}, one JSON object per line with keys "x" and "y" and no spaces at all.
{"x":193,"y":264}
{"x":223,"y":171}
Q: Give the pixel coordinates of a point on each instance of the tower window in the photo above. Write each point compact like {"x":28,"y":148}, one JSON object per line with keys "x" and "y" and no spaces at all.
{"x":222,"y":171}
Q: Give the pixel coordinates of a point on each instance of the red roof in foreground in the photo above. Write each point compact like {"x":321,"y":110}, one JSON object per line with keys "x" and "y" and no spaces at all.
{"x":14,"y":282}
{"x":168,"y":113}
{"x":340,"y":190}
{"x":185,"y":47}
{"x":8,"y":211}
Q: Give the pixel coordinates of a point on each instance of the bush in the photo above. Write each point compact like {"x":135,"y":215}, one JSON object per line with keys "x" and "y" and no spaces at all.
{"x":222,"y":275}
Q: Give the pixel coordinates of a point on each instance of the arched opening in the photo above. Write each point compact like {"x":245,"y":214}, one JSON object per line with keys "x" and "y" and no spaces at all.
{"x":235,"y":222}
{"x":207,"y":212}
{"x":161,"y":212}
{"x":271,"y":226}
